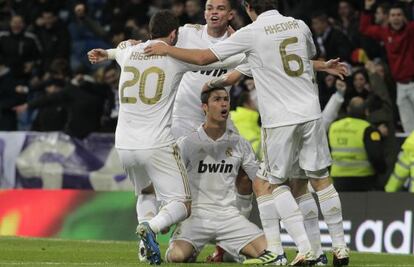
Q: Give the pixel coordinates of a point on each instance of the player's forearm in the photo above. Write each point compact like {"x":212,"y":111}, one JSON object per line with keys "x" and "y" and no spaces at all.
{"x":225,"y":80}
{"x":193,"y":56}
{"x":319,"y":65}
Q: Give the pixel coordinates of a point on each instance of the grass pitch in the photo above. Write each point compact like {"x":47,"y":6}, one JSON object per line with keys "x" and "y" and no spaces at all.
{"x":56,"y":252}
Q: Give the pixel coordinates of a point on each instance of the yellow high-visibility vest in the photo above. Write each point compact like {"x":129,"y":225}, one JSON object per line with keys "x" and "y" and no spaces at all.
{"x":246,"y":122}
{"x":350,"y":159}
{"x":403,"y":168}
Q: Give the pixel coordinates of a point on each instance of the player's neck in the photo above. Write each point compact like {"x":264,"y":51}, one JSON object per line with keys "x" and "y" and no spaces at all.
{"x":216,"y":33}
{"x":214,"y":130}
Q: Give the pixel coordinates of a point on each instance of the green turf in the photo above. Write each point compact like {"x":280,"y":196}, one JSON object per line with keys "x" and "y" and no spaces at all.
{"x":56,"y":252}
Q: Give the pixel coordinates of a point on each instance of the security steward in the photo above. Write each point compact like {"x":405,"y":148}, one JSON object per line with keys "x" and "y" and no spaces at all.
{"x":403,"y":168}
{"x":356,"y":149}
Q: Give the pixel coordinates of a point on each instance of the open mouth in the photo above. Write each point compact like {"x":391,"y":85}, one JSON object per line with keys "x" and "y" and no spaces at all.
{"x":214,"y":18}
{"x":224,"y":112}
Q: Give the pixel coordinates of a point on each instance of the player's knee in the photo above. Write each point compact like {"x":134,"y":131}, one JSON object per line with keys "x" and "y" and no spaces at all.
{"x":175,"y":255}
{"x":298,"y":187}
{"x":261,"y":187}
{"x":320,"y":184}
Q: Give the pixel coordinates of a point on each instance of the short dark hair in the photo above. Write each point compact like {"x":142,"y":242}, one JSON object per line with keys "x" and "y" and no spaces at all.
{"x":398,"y":6}
{"x":205,"y":95}
{"x":320,"y":15}
{"x":162,"y":23}
{"x":260,"y":6}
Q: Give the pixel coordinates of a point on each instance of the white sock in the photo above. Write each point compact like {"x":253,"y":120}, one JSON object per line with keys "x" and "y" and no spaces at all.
{"x":244,"y":204}
{"x":270,"y":222}
{"x":291,"y":216}
{"x":147,"y":207}
{"x":309,"y":209}
{"x":173,"y":212}
{"x":332,"y":212}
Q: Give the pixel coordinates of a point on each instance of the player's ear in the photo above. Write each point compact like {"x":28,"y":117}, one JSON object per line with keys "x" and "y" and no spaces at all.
{"x":205,"y":108}
{"x":231,"y":15}
{"x":172,"y":37}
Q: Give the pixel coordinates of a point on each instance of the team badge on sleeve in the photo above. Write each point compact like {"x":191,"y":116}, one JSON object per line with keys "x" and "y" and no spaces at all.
{"x":375,"y":136}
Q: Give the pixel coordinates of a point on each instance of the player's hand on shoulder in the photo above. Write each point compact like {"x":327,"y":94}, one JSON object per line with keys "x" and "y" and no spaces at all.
{"x":97,"y":55}
{"x":159,"y":48}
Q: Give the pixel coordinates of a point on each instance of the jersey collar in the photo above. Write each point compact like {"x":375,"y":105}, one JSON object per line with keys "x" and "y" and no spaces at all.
{"x":268,"y":13}
{"x":204,"y":137}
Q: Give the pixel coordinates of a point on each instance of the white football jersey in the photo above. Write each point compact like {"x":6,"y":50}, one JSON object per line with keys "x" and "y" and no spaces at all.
{"x":147,"y":88}
{"x":187,"y":103}
{"x":213,"y":166}
{"x":279,"y":50}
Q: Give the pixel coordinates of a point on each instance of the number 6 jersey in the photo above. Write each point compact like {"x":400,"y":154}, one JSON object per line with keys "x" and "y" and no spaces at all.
{"x":147,"y":88}
{"x":278,"y":50}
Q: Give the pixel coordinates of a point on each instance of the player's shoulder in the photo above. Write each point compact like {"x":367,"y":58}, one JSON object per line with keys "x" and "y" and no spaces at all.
{"x":190,"y":29}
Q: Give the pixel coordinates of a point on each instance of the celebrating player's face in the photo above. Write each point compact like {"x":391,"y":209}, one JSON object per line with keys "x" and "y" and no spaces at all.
{"x":218,"y":13}
{"x":218,"y":106}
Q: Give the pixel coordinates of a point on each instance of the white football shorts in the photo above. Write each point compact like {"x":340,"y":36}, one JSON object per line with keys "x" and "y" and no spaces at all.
{"x":163,"y":167}
{"x":295,"y":151}
{"x":232,"y":231}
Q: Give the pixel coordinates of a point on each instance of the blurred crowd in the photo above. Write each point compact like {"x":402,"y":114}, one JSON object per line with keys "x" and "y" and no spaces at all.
{"x":47,"y":84}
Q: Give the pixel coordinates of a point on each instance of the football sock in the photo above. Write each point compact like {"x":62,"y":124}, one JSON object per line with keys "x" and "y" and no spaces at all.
{"x":270,"y":223}
{"x":332,"y":212}
{"x":173,"y":212}
{"x":147,"y":207}
{"x":292,"y":218}
{"x":309,"y":209}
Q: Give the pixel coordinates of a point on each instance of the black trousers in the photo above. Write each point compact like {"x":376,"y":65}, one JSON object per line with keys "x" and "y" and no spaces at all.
{"x":354,"y":184}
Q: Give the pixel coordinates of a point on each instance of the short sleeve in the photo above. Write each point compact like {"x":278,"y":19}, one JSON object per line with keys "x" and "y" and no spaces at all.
{"x":310,"y":45}
{"x":245,"y":69}
{"x":240,"y":42}
{"x":250,"y":164}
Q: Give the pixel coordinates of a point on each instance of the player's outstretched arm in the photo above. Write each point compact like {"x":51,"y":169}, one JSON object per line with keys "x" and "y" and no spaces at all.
{"x":193,"y":56}
{"x":97,"y":55}
{"x":333,"y":66}
{"x":224,"y":80}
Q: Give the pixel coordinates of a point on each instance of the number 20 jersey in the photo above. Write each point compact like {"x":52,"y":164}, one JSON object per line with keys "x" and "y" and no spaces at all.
{"x":147,"y":89}
{"x":278,"y":50}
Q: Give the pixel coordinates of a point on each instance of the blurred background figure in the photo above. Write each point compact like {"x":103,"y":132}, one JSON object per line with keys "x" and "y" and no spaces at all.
{"x":403,"y":173}
{"x":356,"y":149}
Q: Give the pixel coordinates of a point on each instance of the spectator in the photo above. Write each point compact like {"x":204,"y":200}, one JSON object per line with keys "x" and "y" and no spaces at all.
{"x":194,"y":12}
{"x":21,"y":50}
{"x":86,"y":34}
{"x":111,"y":107}
{"x":136,"y":9}
{"x":398,"y":38}
{"x":404,"y":168}
{"x":8,"y":99}
{"x":83,"y":100}
{"x":51,"y":117}
{"x":330,"y":42}
{"x":356,"y":150}
{"x":53,"y":36}
{"x":348,"y":21}
{"x":178,"y":8}
{"x":381,"y":14}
